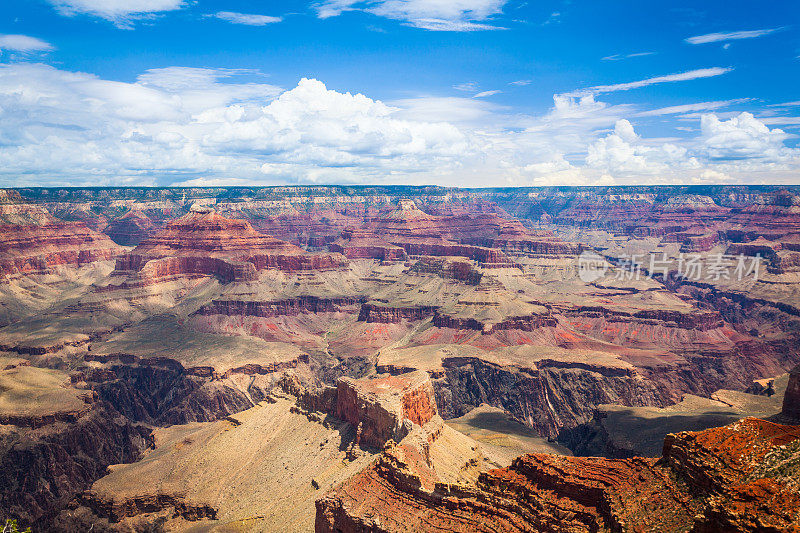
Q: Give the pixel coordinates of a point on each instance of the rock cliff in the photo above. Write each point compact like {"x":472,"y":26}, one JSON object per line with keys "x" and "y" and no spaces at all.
{"x":205,"y":243}
{"x":26,"y":249}
{"x":380,"y":406}
{"x":791,"y":399}
{"x":736,"y":478}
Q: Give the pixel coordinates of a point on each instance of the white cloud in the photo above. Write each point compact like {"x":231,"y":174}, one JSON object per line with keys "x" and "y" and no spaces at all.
{"x":714,"y":176}
{"x":484,"y":94}
{"x":624,"y":151}
{"x":618,"y":57}
{"x":688,"y":108}
{"x":744,"y":137}
{"x":467,"y":87}
{"x":781,"y":121}
{"x":521,"y":83}
{"x":245,"y":18}
{"x":447,"y":109}
{"x":24,"y":44}
{"x":435,"y":15}
{"x":200,"y":125}
{"x":123,"y":13}
{"x":786,"y":104}
{"x":729,"y":36}
{"x":669,"y":78}
{"x":178,"y":123}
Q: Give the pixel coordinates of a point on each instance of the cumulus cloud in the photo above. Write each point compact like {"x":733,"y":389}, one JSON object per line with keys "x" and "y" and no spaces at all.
{"x":435,"y":15}
{"x":729,"y":36}
{"x":177,"y":123}
{"x":24,"y":44}
{"x":201,"y":125}
{"x":743,"y":137}
{"x":123,"y":13}
{"x":245,"y":18}
{"x":624,"y":151}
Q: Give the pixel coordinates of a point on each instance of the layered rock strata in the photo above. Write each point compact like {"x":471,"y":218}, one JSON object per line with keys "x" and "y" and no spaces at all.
{"x":726,"y":479}
{"x":381,"y":407}
{"x":205,"y":243}
{"x":26,"y":249}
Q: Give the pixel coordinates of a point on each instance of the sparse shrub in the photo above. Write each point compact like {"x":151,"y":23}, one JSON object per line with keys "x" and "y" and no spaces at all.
{"x":11,"y":526}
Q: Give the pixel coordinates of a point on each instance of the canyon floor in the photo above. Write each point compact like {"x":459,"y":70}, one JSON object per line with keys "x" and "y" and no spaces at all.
{"x":400,"y":358}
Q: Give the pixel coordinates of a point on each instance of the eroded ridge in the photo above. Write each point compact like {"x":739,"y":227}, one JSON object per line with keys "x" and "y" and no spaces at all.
{"x":205,"y":243}
{"x":741,"y":477}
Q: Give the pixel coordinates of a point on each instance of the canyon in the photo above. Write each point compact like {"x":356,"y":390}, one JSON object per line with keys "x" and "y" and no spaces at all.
{"x":400,"y":358}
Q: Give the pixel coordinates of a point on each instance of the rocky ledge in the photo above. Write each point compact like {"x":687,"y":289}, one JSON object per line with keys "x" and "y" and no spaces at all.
{"x":381,"y":407}
{"x":741,"y":477}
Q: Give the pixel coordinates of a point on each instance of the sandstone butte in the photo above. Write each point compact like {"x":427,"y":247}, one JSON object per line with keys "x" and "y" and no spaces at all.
{"x":205,"y":243}
{"x":483,"y":237}
{"x":37,"y":248}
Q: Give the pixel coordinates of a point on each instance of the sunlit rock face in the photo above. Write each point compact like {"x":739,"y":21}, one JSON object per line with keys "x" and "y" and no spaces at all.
{"x":29,"y":248}
{"x":205,"y":243}
{"x":379,"y":406}
{"x":721,"y":479}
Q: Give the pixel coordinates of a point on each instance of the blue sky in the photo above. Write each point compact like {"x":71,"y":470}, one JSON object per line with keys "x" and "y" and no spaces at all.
{"x":460,"y":92}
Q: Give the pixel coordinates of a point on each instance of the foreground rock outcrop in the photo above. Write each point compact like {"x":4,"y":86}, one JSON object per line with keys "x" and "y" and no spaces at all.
{"x":740,"y":477}
{"x":381,"y":407}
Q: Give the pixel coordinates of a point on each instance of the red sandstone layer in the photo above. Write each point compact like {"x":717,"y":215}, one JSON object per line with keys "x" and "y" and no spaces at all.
{"x":205,"y":243}
{"x":28,"y":249}
{"x":721,"y":479}
{"x":378,"y":407}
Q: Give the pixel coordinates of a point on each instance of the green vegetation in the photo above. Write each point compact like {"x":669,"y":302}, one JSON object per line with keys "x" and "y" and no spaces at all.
{"x":12,"y":527}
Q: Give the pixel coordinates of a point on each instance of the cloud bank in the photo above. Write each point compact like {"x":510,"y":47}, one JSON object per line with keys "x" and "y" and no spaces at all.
{"x":196,"y":126}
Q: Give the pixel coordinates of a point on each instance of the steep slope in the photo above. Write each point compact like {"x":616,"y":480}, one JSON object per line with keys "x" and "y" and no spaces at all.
{"x":735,"y":478}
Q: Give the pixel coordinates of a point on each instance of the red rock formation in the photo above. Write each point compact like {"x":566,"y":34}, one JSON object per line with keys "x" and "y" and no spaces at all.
{"x":393,"y":315}
{"x":28,"y":249}
{"x":480,"y":236}
{"x":130,"y":229}
{"x":522,"y":323}
{"x":205,"y":243}
{"x":359,"y":244}
{"x":448,"y":268}
{"x":289,"y":307}
{"x":722,"y":479}
{"x":700,"y":320}
{"x":378,"y":406}
{"x":699,"y":243}
{"x":115,"y":510}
